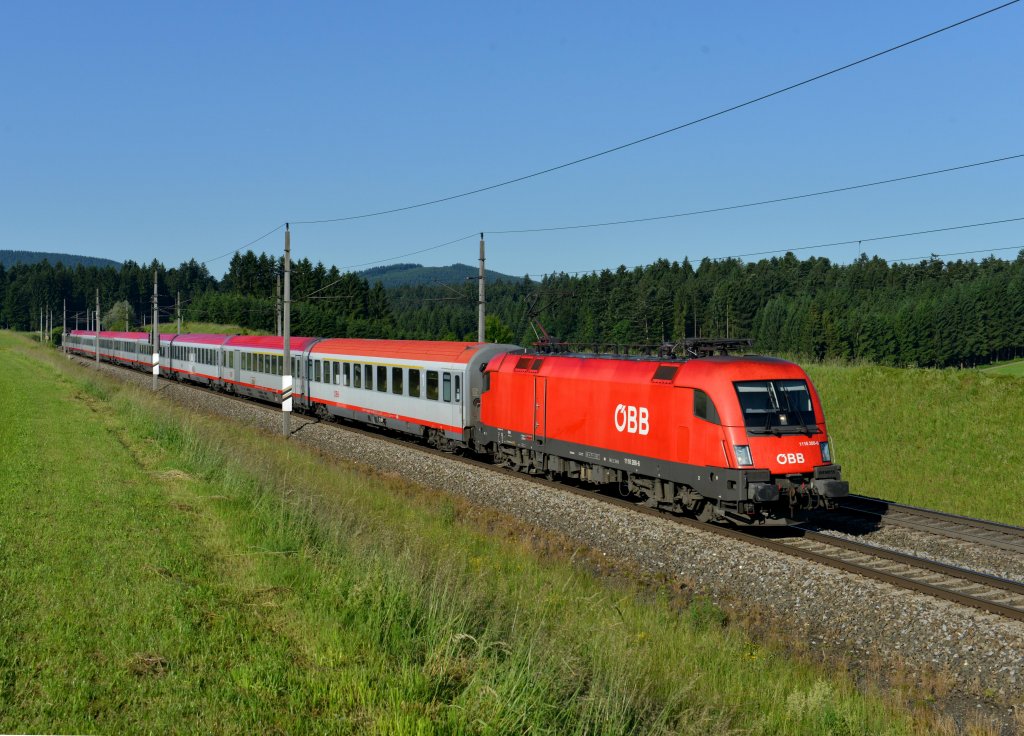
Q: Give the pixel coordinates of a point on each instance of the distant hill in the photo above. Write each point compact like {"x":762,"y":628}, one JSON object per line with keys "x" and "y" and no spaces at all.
{"x":406,"y":274}
{"x":9,"y":258}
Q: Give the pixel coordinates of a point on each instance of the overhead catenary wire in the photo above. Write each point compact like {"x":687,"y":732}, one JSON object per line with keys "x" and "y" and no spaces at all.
{"x":807,"y":247}
{"x":932,"y":256}
{"x":665,"y":132}
{"x":386,"y":260}
{"x":711,"y":210}
{"x":759,"y":203}
{"x":239,"y":248}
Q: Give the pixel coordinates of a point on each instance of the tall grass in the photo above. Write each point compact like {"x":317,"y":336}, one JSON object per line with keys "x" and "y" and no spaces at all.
{"x":169,"y":573}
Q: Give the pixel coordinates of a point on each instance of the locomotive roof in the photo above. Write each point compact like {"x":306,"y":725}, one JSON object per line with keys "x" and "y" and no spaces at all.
{"x":712,"y":368}
{"x":439,"y":350}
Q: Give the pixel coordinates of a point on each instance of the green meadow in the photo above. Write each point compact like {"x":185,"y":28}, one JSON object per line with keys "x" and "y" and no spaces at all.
{"x":942,"y":439}
{"x":1011,"y":368}
{"x":167,"y":573}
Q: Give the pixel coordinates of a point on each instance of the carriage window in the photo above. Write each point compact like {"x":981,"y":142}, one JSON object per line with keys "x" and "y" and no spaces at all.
{"x":446,"y":387}
{"x":414,"y":382}
{"x":336,"y":373}
{"x":704,"y":408}
{"x":357,"y":376}
{"x":458,"y":388}
{"x":368,"y":377}
{"x":346,"y":373}
{"x":432,"y":385}
{"x":316,"y":371}
{"x":382,"y":378}
{"x":396,"y":380}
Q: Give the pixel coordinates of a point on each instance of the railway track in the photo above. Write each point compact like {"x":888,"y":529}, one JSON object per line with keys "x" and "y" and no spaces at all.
{"x":951,"y":526}
{"x":958,"y":585}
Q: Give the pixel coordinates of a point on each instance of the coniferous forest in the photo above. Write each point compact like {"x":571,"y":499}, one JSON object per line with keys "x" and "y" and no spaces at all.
{"x":931,"y":313}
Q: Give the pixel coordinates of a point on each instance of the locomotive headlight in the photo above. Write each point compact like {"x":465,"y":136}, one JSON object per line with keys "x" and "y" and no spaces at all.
{"x":826,"y":453}
{"x":743,"y":458}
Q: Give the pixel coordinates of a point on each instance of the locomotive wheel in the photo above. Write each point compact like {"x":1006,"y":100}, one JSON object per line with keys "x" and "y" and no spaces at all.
{"x":706,"y":512}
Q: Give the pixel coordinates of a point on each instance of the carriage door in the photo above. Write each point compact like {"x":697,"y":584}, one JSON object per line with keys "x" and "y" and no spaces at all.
{"x":234,"y":373}
{"x":540,"y":408}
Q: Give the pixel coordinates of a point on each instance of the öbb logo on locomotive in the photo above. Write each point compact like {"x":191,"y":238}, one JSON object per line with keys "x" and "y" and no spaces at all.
{"x":632,"y":419}
{"x":790,"y":458}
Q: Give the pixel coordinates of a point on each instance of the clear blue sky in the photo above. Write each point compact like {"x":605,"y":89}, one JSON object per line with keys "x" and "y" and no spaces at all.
{"x":178,"y":130}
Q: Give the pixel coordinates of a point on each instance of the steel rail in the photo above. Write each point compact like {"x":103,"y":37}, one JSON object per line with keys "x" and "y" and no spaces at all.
{"x":957,"y":585}
{"x":953,"y":526}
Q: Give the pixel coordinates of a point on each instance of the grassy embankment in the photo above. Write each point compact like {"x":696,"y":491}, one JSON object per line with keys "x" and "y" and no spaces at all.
{"x":1007,"y":368}
{"x":166,"y":573}
{"x":942,"y":439}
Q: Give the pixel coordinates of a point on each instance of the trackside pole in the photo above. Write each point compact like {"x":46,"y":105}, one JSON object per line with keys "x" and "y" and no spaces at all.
{"x":156,"y":336}
{"x":97,"y":325}
{"x":286,"y":379}
{"x":480,"y":315}
{"x":64,"y":328}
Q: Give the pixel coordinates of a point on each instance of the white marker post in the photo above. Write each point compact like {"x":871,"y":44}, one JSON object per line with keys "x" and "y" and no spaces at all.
{"x":286,"y":378}
{"x":156,"y":336}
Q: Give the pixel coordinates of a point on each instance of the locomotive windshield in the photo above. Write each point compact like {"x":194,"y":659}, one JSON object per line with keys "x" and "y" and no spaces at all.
{"x":777,"y":407}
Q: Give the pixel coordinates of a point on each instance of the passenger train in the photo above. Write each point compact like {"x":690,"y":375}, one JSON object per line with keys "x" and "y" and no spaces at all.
{"x":728,"y":438}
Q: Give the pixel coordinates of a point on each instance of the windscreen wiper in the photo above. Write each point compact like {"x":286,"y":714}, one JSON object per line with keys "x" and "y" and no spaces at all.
{"x":799,"y":414}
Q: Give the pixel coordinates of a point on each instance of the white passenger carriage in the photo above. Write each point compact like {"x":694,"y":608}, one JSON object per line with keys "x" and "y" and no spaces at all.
{"x":255,"y":364}
{"x":427,"y":388}
{"x":125,"y":348}
{"x":196,"y":357}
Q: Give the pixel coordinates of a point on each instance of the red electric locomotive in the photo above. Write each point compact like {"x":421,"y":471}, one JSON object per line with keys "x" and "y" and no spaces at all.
{"x":738,"y":438}
{"x":731,"y":438}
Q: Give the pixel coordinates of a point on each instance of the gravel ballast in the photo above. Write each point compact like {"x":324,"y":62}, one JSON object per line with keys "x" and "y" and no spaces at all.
{"x":840,"y":616}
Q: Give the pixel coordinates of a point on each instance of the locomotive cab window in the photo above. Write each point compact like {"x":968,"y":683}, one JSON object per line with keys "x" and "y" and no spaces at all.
{"x":704,"y":407}
{"x":779,"y":406}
